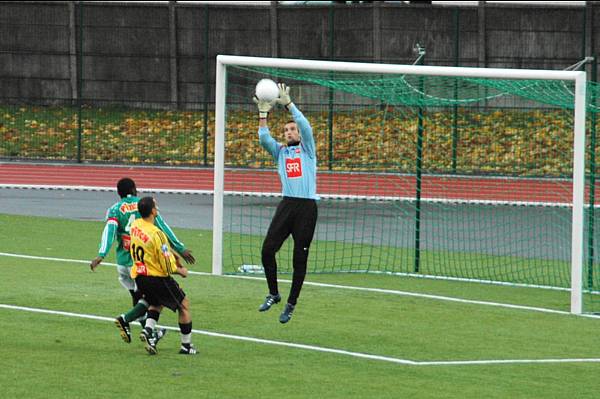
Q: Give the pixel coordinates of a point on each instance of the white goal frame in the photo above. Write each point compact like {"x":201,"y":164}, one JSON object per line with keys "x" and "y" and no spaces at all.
{"x":579,"y":77}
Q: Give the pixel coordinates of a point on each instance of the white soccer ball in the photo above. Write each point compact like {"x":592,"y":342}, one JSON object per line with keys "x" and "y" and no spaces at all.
{"x":266,"y":90}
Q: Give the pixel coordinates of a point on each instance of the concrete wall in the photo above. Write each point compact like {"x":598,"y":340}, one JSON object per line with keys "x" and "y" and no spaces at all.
{"x":34,"y":51}
{"x":164,"y":54}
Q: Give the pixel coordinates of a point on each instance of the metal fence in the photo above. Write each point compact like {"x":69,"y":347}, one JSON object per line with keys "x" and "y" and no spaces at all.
{"x":72,"y":72}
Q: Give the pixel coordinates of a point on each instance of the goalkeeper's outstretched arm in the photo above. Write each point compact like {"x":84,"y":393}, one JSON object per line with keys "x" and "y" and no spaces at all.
{"x":306,"y":132}
{"x":264,"y":136}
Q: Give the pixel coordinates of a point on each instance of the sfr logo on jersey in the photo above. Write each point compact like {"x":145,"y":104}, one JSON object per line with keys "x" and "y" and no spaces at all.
{"x":293,"y":168}
{"x":141,"y":269}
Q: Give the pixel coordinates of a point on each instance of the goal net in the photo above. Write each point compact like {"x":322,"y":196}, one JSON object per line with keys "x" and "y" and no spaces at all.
{"x":454,"y":173}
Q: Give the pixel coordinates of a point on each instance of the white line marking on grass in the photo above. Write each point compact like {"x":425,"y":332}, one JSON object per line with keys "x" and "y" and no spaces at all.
{"x":420,"y":295}
{"x":227,"y":336}
{"x":51,"y":259}
{"x":505,"y":361}
{"x":346,"y":287}
{"x":320,"y":348}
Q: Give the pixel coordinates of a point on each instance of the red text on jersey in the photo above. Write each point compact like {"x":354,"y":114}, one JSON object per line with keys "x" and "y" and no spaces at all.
{"x":137,"y":232}
{"x":128,"y":207}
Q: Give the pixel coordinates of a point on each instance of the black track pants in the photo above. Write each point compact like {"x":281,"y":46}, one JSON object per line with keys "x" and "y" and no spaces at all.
{"x":298,"y":217}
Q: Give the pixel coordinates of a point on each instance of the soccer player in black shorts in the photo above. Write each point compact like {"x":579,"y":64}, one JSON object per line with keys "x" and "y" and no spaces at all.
{"x":153,"y":264}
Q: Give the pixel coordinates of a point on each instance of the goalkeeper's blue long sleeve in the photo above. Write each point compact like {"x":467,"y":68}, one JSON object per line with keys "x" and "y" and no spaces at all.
{"x":297,"y":165}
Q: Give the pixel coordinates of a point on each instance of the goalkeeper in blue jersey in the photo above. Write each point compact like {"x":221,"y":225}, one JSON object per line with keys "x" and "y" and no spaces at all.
{"x":119,"y":219}
{"x":296,"y":214}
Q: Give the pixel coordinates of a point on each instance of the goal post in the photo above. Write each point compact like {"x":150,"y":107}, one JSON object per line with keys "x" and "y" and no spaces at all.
{"x":578,"y":194}
{"x":219,"y":167}
{"x":317,"y":72}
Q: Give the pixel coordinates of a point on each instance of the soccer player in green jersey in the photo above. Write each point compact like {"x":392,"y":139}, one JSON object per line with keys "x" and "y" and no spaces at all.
{"x":119,"y":219}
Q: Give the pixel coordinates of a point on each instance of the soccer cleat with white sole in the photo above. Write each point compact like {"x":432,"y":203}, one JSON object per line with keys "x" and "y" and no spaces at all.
{"x":124,"y":329}
{"x":188,"y":349}
{"x":148,"y":337}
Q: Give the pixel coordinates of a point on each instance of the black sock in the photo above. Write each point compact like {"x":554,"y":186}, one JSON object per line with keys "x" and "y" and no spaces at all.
{"x":186,"y":333}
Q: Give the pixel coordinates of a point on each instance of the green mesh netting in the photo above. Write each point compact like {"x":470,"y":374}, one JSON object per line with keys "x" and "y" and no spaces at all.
{"x":432,"y":176}
{"x":415,"y":90}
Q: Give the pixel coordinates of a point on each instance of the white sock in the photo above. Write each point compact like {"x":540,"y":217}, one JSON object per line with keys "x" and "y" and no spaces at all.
{"x":150,"y":323}
{"x":186,"y":338}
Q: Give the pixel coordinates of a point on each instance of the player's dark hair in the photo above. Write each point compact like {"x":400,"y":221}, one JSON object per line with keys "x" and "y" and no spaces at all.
{"x":145,"y":206}
{"x":125,"y":187}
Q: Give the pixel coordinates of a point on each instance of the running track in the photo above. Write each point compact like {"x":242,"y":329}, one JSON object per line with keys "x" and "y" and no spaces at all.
{"x":354,"y":184}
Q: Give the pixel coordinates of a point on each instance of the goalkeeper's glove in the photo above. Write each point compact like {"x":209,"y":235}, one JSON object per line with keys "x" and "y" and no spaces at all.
{"x":263,"y":107}
{"x":284,"y":95}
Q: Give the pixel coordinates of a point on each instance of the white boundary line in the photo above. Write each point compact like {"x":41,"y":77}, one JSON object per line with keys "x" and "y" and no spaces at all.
{"x":343,"y":287}
{"x":361,"y":355}
{"x":227,"y":336}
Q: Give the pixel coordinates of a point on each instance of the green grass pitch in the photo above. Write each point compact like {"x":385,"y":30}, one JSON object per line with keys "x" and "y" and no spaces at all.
{"x":56,"y":356}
